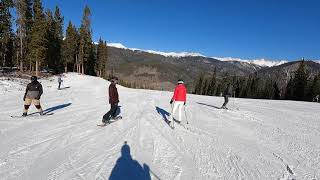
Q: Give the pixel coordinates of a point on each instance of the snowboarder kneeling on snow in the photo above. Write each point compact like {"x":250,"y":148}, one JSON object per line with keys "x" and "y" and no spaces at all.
{"x":226,"y":94}
{"x":113,"y":101}
{"x":32,"y":95}
{"x":178,"y":99}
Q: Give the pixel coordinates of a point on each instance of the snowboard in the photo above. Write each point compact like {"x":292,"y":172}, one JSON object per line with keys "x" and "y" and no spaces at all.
{"x":31,"y":115}
{"x":110,"y":121}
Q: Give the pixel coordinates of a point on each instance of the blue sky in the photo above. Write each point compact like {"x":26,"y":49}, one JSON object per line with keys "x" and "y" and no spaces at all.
{"x":248,"y":29}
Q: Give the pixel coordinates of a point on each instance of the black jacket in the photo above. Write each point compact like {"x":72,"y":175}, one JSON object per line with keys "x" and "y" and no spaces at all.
{"x":228,"y":91}
{"x":34,"y":90}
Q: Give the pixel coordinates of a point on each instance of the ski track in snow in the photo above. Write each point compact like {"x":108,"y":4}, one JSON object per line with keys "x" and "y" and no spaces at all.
{"x":256,"y":139}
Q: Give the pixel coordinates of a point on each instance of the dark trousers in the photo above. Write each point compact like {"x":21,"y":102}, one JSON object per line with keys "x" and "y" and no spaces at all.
{"x":226,"y":100}
{"x":59,"y":85}
{"x":111,"y":113}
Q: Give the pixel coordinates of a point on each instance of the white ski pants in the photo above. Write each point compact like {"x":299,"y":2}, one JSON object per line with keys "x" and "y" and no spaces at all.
{"x":177,"y":104}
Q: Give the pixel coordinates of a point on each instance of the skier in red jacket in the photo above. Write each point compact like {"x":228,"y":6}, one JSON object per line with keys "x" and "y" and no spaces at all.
{"x":179,"y":99}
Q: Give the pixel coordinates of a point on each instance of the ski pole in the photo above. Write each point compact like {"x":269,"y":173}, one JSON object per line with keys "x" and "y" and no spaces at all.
{"x":172,"y":118}
{"x":234,"y":96}
{"x":185,"y":113}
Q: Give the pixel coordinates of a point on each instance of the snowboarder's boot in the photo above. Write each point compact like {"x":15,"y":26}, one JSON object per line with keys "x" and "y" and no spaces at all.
{"x":224,"y":107}
{"x":105,"y":121}
{"x":24,"y":114}
{"x":41,"y":113}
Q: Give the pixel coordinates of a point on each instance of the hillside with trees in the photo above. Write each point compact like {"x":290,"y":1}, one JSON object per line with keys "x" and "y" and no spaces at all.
{"x":35,"y":42}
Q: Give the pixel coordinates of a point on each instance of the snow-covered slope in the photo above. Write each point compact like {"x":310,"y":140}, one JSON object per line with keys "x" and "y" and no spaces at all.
{"x":256,"y":139}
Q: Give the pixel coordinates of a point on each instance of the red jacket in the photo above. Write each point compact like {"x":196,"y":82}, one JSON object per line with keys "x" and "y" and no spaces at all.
{"x":113,"y":94}
{"x":180,"y":93}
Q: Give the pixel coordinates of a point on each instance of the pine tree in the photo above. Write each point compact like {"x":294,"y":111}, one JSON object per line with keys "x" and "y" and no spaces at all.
{"x":266,"y":89}
{"x":54,"y":36}
{"x":276,"y":91}
{"x":205,"y":87}
{"x":219,"y":89}
{"x":58,"y":37}
{"x":102,"y":57}
{"x":289,"y":89}
{"x":300,"y":82}
{"x":24,"y":23}
{"x":199,"y":84}
{"x":213,"y":83}
{"x":237,"y":89}
{"x":38,"y":42}
{"x":6,"y":34}
{"x":71,"y":48}
{"x":315,"y":89}
{"x":85,"y":46}
{"x":50,"y":29}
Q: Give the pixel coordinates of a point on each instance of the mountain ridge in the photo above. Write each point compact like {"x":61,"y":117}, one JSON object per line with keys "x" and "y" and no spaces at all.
{"x":260,"y":62}
{"x":154,"y":70}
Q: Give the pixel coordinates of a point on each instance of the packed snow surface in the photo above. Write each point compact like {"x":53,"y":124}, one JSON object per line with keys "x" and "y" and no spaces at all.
{"x":255,"y":139}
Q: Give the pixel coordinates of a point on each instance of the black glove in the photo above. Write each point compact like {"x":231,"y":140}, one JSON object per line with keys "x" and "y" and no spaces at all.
{"x":184,"y":103}
{"x":171,"y":101}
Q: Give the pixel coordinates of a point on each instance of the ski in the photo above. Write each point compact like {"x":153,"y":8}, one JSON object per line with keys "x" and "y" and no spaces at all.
{"x":31,"y":115}
{"x":170,"y":124}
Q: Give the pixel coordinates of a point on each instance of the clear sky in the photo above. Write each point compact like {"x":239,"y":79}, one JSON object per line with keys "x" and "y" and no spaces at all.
{"x":248,"y":29}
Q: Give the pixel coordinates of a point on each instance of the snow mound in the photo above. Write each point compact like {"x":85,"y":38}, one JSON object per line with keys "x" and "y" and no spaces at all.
{"x":255,"y":139}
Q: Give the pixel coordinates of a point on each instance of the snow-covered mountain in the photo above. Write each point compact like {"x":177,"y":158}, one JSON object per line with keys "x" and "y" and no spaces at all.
{"x":259,"y":62}
{"x":167,"y":54}
{"x":255,"y":139}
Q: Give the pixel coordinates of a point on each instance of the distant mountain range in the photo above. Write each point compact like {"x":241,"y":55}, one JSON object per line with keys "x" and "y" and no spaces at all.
{"x":259,"y":62}
{"x":160,"y":70}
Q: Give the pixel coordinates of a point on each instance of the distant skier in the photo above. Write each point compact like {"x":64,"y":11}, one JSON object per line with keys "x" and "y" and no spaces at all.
{"x":59,"y":81}
{"x":113,"y":101}
{"x":179,"y":99}
{"x":226,"y":94}
{"x":32,"y":96}
{"x":317,"y":98}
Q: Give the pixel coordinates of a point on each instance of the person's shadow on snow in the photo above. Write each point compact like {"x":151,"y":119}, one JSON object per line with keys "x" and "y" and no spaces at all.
{"x":62,"y":88}
{"x":128,"y":168}
{"x":209,"y":105}
{"x":163,"y":113}
{"x":61,"y":106}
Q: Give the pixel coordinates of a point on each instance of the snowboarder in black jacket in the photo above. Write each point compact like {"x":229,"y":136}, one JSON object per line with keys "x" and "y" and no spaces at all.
{"x":226,"y":94}
{"x":32,"y":95}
